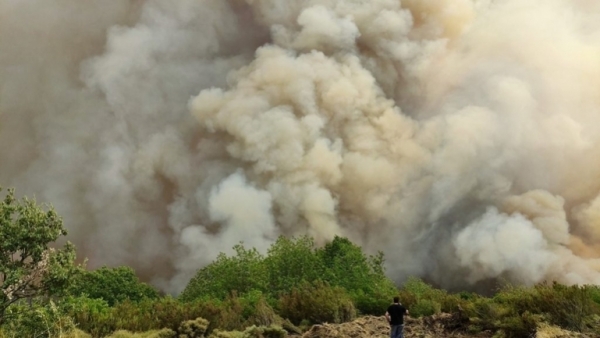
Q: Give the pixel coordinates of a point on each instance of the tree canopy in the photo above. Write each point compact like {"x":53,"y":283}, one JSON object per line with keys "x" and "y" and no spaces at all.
{"x":29,"y":266}
{"x":289,"y":264}
{"x":113,"y":285}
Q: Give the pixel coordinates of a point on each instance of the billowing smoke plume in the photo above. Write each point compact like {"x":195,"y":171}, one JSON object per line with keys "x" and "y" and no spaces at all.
{"x":461,"y":137}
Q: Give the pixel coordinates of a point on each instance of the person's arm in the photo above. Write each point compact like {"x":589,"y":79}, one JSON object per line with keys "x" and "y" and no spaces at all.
{"x":387,"y":316}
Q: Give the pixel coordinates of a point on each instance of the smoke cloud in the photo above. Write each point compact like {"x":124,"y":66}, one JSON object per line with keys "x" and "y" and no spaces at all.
{"x":460,"y":137}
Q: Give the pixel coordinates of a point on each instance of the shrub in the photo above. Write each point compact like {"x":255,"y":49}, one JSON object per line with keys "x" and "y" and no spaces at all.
{"x":29,"y":266}
{"x":90,"y":315}
{"x":425,"y":307}
{"x":291,"y":261}
{"x":226,"y":334}
{"x":193,"y":328}
{"x":318,"y":303}
{"x":264,"y":332}
{"x":94,"y":317}
{"x":363,"y":277}
{"x":113,"y":285}
{"x":257,"y":311}
{"x":241,"y":273}
{"x":569,"y":307}
{"x":165,"y":333}
{"x":38,"y":320}
{"x":407,"y":299}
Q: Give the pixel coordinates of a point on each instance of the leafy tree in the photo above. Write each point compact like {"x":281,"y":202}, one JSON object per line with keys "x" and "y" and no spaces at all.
{"x":241,"y":273}
{"x":29,"y":267}
{"x":347,"y":266}
{"x":112,"y":285}
{"x":317,"y":302}
{"x":291,"y":261}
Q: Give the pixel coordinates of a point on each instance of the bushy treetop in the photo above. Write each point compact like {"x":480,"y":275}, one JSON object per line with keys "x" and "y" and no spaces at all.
{"x":291,"y":262}
{"x":29,"y":266}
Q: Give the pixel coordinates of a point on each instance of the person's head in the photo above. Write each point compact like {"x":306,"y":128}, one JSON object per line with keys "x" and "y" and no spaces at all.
{"x":396,"y":299}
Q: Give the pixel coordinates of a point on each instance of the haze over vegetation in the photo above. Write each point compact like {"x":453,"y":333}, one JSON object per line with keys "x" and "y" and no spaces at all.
{"x":459,"y":137}
{"x":250,"y":295}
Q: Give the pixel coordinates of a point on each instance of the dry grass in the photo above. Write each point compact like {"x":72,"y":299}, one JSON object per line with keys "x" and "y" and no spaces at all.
{"x":551,"y":331}
{"x":73,"y":334}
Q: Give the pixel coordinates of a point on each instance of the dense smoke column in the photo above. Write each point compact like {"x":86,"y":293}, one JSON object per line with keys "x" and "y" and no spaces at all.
{"x":427,"y":130}
{"x":459,"y":137}
{"x":94,"y":117}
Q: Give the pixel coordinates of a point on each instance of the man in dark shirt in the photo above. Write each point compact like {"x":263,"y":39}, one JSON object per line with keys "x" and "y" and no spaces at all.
{"x":395,"y":316}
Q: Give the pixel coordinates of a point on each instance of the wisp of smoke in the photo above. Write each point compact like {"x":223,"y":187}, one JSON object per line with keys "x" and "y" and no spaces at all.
{"x":460,"y":137}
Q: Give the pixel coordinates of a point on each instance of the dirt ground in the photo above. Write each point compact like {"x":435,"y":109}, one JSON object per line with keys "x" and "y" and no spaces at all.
{"x":437,"y":326}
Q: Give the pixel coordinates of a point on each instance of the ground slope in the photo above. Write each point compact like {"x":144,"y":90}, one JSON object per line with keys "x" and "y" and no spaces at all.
{"x":437,"y":326}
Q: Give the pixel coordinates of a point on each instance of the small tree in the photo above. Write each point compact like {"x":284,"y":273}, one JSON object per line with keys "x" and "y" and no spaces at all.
{"x":28,"y":266}
{"x":114,"y":285}
{"x":242,"y":272}
{"x":290,"y":262}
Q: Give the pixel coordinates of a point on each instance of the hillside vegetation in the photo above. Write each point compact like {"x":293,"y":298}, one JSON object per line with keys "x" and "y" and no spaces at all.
{"x":285,"y":291}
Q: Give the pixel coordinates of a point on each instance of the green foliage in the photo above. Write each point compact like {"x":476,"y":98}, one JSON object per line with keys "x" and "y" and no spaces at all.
{"x":241,"y":273}
{"x":570,"y":307}
{"x":425,"y":307}
{"x":346,"y":264}
{"x":519,"y":311}
{"x":257,"y":311}
{"x":97,"y":318}
{"x":226,"y":334}
{"x":317,"y":302}
{"x":112,"y":285}
{"x":264,"y":332}
{"x":38,"y":320}
{"x":88,"y":314}
{"x":193,"y":328}
{"x":164,"y":333}
{"x":363,"y":277}
{"x":422,"y":290}
{"x":28,"y":266}
{"x":291,"y":262}
{"x":423,"y":299}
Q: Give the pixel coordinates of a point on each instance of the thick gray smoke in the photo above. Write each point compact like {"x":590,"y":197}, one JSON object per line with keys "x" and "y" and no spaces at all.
{"x":461,"y":137}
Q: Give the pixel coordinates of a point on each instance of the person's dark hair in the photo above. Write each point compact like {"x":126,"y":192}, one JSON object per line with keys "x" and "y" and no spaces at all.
{"x":396,"y":299}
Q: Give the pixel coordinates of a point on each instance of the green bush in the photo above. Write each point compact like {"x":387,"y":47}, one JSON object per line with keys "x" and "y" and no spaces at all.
{"x":38,"y":320}
{"x":363,"y":277}
{"x":113,"y":285}
{"x":241,"y":273}
{"x":257,"y":311}
{"x":193,"y":328}
{"x":91,"y":315}
{"x":96,"y":318}
{"x":164,"y":333}
{"x":291,"y":262}
{"x":570,"y":307}
{"x":318,"y":303}
{"x":30,"y":266}
{"x":226,"y":334}
{"x":264,"y":332}
{"x":425,"y":307}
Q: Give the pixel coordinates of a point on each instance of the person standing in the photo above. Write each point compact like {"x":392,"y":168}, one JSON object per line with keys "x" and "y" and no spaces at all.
{"x":395,"y":316}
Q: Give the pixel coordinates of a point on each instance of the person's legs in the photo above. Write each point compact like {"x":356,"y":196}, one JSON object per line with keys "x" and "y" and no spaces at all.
{"x":396,"y":331}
